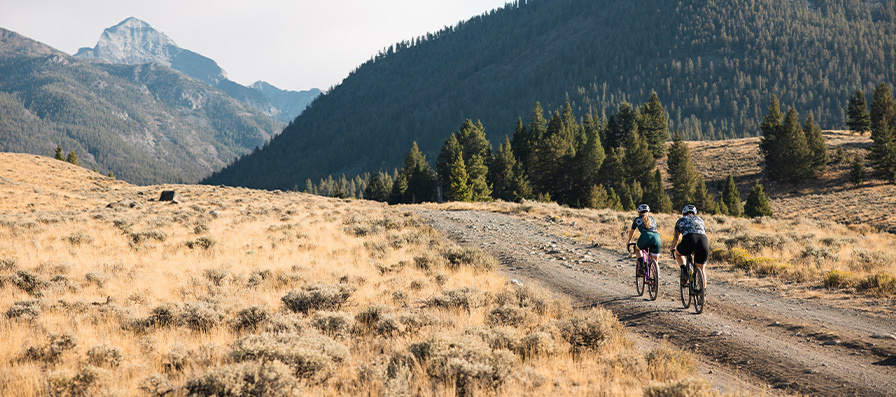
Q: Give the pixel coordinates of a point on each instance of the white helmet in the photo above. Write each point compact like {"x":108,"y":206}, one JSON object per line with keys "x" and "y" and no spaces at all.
{"x":689,"y":208}
{"x":643,"y":208}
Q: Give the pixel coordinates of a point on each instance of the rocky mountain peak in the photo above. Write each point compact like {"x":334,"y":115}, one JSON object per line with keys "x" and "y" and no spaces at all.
{"x":132,"y":41}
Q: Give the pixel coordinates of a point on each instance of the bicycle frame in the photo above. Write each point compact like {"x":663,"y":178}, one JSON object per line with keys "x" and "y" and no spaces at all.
{"x":646,"y":273}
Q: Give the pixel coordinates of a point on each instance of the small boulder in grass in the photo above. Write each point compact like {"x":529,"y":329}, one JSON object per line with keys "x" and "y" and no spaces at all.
{"x":170,"y":195}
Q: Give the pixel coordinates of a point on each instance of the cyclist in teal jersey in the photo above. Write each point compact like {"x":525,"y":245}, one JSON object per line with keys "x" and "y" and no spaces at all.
{"x":650,"y":237}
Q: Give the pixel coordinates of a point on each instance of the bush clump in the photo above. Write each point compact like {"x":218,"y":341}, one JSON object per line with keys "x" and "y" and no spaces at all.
{"x":156,"y":385}
{"x":254,"y":378}
{"x":473,"y":258}
{"x":29,"y":282}
{"x":201,"y":243}
{"x":682,"y":388}
{"x":461,"y":298}
{"x":496,"y":337}
{"x":836,"y":279}
{"x":25,"y":310}
{"x":56,"y":345}
{"x":104,"y":355}
{"x":309,"y":355}
{"x":508,"y":315}
{"x":880,"y":283}
{"x":538,"y":300}
{"x":467,"y":360}
{"x":85,"y":382}
{"x":591,"y":329}
{"x":666,"y":363}
{"x":201,"y":316}
{"x":537,"y":344}
{"x":317,"y":297}
{"x":332,"y":323}
{"x":378,"y":319}
{"x":251,"y":317}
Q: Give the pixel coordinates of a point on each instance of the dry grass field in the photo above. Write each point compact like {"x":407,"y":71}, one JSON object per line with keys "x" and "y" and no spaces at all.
{"x":104,"y":290}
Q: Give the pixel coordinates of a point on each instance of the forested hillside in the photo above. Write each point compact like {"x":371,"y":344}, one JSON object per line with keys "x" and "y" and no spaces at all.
{"x":146,"y":124}
{"x":714,"y":64}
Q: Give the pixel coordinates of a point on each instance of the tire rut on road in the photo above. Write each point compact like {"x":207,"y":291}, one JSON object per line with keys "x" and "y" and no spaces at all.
{"x":791,"y":345}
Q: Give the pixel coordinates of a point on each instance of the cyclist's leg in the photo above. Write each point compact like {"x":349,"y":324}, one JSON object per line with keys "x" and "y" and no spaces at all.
{"x":701,"y":254}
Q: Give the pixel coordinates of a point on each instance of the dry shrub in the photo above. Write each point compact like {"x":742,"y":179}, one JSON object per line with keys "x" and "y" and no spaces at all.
{"x":742,"y":259}
{"x":536,"y":299}
{"x":881,"y":283}
{"x":537,"y":344}
{"x":416,"y":320}
{"x":251,"y":317}
{"x":201,"y":243}
{"x":97,"y":278}
{"x":50,"y":353}
{"x":317,"y":297}
{"x":104,"y":355}
{"x":473,"y":258}
{"x":140,"y":237}
{"x":79,"y":238}
{"x":666,"y":363}
{"x":690,"y":387}
{"x":867,"y":261}
{"x":429,"y":261}
{"x":178,"y":357}
{"x":309,"y":355}
{"x":156,"y":385}
{"x":215,"y":275}
{"x":461,"y":298}
{"x":29,"y":282}
{"x":7,"y":264}
{"x":818,"y":254}
{"x":464,"y":359}
{"x":496,"y":337}
{"x":25,"y":310}
{"x":332,"y":323}
{"x":508,"y":315}
{"x":265,"y":378}
{"x":377,"y":319}
{"x":836,"y":279}
{"x":201,"y":316}
{"x":589,"y":330}
{"x":259,"y":276}
{"x":85,"y":382}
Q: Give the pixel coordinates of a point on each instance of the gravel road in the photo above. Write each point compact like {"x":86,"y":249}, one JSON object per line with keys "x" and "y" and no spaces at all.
{"x":746,"y":339}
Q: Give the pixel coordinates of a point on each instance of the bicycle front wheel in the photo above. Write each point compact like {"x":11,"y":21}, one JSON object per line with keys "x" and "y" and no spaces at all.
{"x":685,"y":290}
{"x":639,"y":279}
{"x":653,"y":280}
{"x":700,"y":294}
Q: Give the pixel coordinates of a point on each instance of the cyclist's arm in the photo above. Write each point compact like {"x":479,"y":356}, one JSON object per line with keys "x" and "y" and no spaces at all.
{"x":631,"y":233}
{"x":675,"y":240}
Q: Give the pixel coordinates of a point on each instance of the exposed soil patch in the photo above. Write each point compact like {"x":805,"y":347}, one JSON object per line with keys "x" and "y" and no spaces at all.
{"x":757,"y":336}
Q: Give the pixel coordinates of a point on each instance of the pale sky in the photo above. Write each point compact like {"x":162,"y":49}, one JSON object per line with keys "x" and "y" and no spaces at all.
{"x":296,"y":45}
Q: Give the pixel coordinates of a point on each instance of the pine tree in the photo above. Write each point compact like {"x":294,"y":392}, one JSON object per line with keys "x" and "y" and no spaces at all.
{"x":451,"y":151}
{"x":770,"y":143}
{"x":59,"y":153}
{"x":477,"y":173}
{"x":818,"y":147}
{"x":596,"y":197}
{"x":612,"y":172}
{"x":731,"y":198}
{"x":655,"y":195}
{"x":857,"y":117}
{"x":586,"y":165}
{"x":419,"y":176}
{"x":654,"y":125}
{"x":638,"y":161}
{"x":72,"y":158}
{"x":613,"y":201}
{"x":702,"y":199}
{"x":857,"y":170}
{"x":459,"y":187}
{"x":757,"y":204}
{"x":379,"y":187}
{"x":794,"y":150}
{"x":682,"y":174}
{"x":882,"y":154}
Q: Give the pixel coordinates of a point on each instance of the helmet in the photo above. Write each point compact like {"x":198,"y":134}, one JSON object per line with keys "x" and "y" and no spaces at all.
{"x":689,"y":208}
{"x":643,"y":208}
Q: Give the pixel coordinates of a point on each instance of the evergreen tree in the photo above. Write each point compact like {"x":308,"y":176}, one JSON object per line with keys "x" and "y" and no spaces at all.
{"x":882,"y":154}
{"x":638,"y":161}
{"x":477,"y":173}
{"x":721,"y":208}
{"x":309,"y":187}
{"x":59,"y":153}
{"x":459,"y":187}
{"x":613,"y":201}
{"x":770,"y":144}
{"x":596,"y":197}
{"x":654,"y":125}
{"x":796,"y":159}
{"x":379,"y":187}
{"x":757,"y":204}
{"x":451,"y":151}
{"x":682,"y":174}
{"x":818,"y":147}
{"x":612,"y":172}
{"x":731,"y":198}
{"x":655,"y":195}
{"x":111,"y":175}
{"x":419,"y":176}
{"x":702,"y":199}
{"x":585,"y":169}
{"x":857,"y":170}
{"x":857,"y":117}
{"x":72,"y":158}
{"x":399,"y":189}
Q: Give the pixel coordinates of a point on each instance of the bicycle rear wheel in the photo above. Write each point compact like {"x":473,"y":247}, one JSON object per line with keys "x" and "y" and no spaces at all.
{"x":685,"y":290}
{"x":653,"y":280}
{"x":639,"y":278}
{"x":700,"y":294}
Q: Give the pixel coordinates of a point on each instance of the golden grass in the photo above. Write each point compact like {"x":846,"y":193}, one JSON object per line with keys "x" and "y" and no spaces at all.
{"x":106,"y":291}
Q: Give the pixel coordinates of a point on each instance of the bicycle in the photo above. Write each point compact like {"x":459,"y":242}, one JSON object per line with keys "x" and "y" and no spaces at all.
{"x":646,"y":273}
{"x":693,"y":289}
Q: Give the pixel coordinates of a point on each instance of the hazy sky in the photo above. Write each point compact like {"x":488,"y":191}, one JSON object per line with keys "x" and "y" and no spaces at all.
{"x":295,"y":45}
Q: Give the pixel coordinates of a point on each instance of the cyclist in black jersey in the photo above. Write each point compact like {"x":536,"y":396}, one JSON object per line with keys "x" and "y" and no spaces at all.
{"x":691,"y":232}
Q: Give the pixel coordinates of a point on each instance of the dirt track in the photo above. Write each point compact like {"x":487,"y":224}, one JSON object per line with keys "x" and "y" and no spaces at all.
{"x":746,"y":339}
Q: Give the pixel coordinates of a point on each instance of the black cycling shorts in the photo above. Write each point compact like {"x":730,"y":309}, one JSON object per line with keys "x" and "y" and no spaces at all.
{"x":694,"y":243}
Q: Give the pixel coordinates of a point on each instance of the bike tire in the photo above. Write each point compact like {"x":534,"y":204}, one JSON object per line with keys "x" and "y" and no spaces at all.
{"x":639,"y":279}
{"x":685,"y":291}
{"x":653,"y":285}
{"x":700,"y":295}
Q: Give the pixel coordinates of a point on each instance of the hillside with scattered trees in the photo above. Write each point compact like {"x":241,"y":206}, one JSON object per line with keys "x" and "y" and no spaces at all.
{"x":713,"y":64}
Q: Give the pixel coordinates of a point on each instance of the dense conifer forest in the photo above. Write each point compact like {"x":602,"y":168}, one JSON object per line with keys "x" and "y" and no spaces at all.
{"x":713,"y":64}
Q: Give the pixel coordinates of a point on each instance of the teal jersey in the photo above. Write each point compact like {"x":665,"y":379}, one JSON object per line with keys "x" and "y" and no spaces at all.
{"x":639,"y":224}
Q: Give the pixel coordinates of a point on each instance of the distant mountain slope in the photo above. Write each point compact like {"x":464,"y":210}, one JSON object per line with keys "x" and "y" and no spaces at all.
{"x":135,"y":42}
{"x":713,"y":63}
{"x":146,"y":123}
{"x":290,"y":103}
